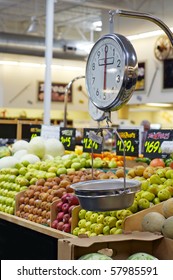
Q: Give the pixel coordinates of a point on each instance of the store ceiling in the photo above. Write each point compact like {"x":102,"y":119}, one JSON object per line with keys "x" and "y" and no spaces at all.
{"x":74,"y":19}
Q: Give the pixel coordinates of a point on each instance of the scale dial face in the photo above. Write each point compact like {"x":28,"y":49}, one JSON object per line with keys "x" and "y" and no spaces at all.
{"x":95,"y":113}
{"x":111,"y":72}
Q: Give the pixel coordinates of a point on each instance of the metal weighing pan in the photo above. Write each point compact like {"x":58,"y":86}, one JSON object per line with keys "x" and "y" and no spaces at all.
{"x":106,"y":195}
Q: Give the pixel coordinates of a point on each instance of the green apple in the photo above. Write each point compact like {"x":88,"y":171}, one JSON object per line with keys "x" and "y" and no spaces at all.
{"x":82,"y":162}
{"x":81,"y":231}
{"x":113,"y":230}
{"x":97,"y":163}
{"x":70,"y":171}
{"x":138,"y":195}
{"x":119,"y":231}
{"x":33,"y":181}
{"x":106,"y":219}
{"x":75,"y":231}
{"x":52,"y":169}
{"x":9,"y":201}
{"x":93,"y":234}
{"x":67,"y":163}
{"x":88,"y":215}
{"x":76,"y":165}
{"x":88,"y":163}
{"x":119,"y":224}
{"x":11,"y":210}
{"x":61,"y":170}
{"x":88,"y":225}
{"x":119,"y":214}
{"x":92,"y":227}
{"x":100,"y":219}
{"x":164,"y":194}
{"x":82,"y":223}
{"x":106,"y":230}
{"x":23,"y":170}
{"x":29,"y":175}
{"x":112,"y":222}
{"x":156,"y":200}
{"x":99,"y":228}
{"x":93,"y":217}
{"x":88,"y":232}
{"x":125,"y":213}
{"x":112,"y":164}
{"x":113,"y":213}
{"x":11,"y":178}
{"x":82,"y":213}
{"x":43,"y":166}
{"x":53,"y":175}
{"x":143,"y":203}
{"x":85,"y":155}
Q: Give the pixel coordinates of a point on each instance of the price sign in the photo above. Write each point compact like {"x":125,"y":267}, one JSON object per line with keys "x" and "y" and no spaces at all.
{"x":68,"y":138}
{"x":35,"y":130}
{"x":50,"y":131}
{"x":154,"y":139}
{"x":91,"y":142}
{"x":130,"y":139}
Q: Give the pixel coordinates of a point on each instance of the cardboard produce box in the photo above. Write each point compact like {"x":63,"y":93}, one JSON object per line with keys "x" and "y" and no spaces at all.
{"x":133,"y":222}
{"x":120,"y":246}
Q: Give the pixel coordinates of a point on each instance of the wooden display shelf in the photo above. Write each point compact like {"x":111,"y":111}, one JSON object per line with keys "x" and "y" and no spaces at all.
{"x":34,"y":226}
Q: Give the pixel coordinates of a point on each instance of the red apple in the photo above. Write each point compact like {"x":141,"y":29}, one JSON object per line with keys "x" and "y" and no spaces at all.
{"x":54,"y":224}
{"x":59,"y":206}
{"x":71,"y":208}
{"x":72,"y":200}
{"x":66,"y":228}
{"x":60,"y":225}
{"x":66,"y":218}
{"x":64,"y":198}
{"x":65,"y":207}
{"x":70,"y":220}
{"x":60,"y":216}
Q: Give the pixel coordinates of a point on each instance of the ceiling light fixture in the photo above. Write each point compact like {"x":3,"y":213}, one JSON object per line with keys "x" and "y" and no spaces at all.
{"x":159,"y":104}
{"x":146,"y":34}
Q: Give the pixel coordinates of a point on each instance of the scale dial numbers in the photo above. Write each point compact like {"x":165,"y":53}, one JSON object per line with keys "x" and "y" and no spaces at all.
{"x":107,"y":72}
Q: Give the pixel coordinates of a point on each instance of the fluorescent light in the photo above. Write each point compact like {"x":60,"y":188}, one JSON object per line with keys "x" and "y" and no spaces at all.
{"x":147,"y":34}
{"x":159,"y":104}
{"x":19,"y":63}
{"x":97,"y":25}
{"x":35,"y":65}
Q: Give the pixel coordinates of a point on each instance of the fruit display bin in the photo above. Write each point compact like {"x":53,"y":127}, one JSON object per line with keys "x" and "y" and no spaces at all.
{"x":117,"y":246}
{"x":133,"y":222}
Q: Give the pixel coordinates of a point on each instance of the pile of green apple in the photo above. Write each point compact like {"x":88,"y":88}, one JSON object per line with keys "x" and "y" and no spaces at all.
{"x":100,"y":223}
{"x":9,"y":187}
{"x":156,"y":185}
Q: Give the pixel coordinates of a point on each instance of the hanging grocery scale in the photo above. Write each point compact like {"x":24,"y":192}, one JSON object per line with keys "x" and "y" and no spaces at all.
{"x":111,"y":75}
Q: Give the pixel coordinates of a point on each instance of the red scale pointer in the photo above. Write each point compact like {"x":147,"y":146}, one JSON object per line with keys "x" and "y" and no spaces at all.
{"x":105,"y":68}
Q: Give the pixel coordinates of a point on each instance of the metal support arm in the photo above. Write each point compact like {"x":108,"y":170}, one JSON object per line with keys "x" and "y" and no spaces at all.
{"x":66,"y":97}
{"x":149,"y":17}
